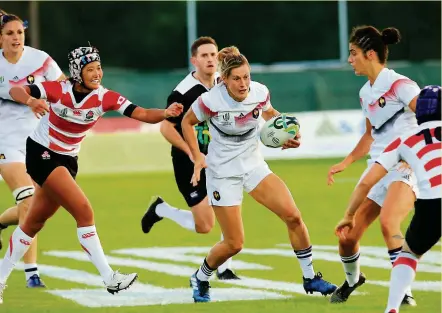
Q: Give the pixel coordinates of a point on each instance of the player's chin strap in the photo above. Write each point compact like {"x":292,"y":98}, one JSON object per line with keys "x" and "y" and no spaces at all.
{"x":22,"y":193}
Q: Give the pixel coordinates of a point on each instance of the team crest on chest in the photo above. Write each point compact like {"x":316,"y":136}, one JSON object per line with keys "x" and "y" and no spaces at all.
{"x":255,"y":113}
{"x":89,"y":115}
{"x":30,"y":79}
{"x":381,"y":102}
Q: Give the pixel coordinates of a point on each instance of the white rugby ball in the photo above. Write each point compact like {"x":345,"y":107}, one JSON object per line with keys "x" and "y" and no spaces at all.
{"x":277,"y":130}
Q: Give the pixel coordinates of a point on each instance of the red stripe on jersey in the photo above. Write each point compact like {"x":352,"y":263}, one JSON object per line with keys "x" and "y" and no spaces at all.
{"x":432,"y":164}
{"x":40,"y":71}
{"x":406,"y":261}
{"x":54,"y":91}
{"x":63,"y":138}
{"x":415,"y":139}
{"x":67,"y":126}
{"x":55,"y":147}
{"x":262,"y":104}
{"x":204,"y":108}
{"x":392,"y":146}
{"x":435,"y":181}
{"x":429,"y":148}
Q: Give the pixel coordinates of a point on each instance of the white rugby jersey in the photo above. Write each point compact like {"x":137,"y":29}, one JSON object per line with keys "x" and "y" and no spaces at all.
{"x":234,"y":128}
{"x":17,"y":120}
{"x":67,"y":123}
{"x":385,"y":104}
{"x":423,"y":152}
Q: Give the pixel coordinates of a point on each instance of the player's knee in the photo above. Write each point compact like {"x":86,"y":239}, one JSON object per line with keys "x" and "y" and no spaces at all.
{"x":84,"y":215}
{"x":203,"y":227}
{"x":293,"y":219}
{"x":235,"y":245}
{"x":349,"y":242}
{"x":23,"y":193}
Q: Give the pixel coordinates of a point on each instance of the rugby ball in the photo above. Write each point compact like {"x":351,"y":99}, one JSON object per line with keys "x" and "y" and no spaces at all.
{"x":277,"y":130}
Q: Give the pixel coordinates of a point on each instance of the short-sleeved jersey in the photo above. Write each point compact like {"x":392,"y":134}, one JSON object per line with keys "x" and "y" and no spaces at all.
{"x":423,"y":152}
{"x":234,"y":127}
{"x":186,"y":92}
{"x":67,"y":123}
{"x":17,"y":120}
{"x":385,"y":104}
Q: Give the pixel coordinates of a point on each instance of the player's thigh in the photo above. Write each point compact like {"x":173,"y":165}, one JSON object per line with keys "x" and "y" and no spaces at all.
{"x":42,"y":207}
{"x":270,"y":191}
{"x":14,"y":173}
{"x":424,"y":230}
{"x":398,"y":203}
{"x":61,"y":186}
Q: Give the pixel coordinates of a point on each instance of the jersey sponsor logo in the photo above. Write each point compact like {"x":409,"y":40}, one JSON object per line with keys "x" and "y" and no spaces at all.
{"x":77,"y":112}
{"x":30,"y":79}
{"x":226,"y":116}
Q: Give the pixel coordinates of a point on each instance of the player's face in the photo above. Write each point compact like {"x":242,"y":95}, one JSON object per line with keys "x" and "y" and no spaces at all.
{"x":13,"y":37}
{"x":357,"y":60}
{"x":238,"y":82}
{"x":92,"y":75}
{"x":205,"y":60}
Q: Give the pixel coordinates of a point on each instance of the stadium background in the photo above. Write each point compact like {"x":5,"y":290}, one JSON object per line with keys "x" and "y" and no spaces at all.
{"x":294,"y":49}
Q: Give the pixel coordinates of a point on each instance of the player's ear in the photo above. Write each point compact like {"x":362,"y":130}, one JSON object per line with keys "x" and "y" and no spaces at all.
{"x":193,"y":61}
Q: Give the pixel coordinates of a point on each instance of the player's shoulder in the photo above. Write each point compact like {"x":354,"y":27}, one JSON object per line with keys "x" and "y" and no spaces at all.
{"x":258,"y":92}
{"x":365,"y":89}
{"x":391,"y":77}
{"x":35,"y":55}
{"x":187,"y":84}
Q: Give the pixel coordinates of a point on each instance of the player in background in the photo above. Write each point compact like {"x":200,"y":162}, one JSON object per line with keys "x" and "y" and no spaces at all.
{"x":200,"y":218}
{"x":388,"y":101}
{"x":234,"y":163}
{"x":19,"y":65}
{"x":422,"y":150}
{"x":52,"y":151}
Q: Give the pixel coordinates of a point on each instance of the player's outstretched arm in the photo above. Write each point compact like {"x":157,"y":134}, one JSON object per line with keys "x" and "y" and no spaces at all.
{"x":153,"y":116}
{"x":187,"y":125}
{"x":361,"y":150}
{"x":22,"y":94}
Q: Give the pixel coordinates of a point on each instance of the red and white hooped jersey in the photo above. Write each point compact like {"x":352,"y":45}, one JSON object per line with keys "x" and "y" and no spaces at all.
{"x":17,"y":120}
{"x":423,"y":152}
{"x":234,"y":128}
{"x":67,"y":123}
{"x":385,"y":104}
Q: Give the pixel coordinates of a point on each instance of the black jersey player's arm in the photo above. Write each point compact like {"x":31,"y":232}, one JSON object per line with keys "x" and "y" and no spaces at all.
{"x":168,"y":129}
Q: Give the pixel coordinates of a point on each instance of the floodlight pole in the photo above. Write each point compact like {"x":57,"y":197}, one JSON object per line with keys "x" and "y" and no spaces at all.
{"x":191,"y":28}
{"x":343,"y":30}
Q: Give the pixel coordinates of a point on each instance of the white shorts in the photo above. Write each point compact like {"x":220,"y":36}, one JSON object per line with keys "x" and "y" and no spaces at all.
{"x":11,"y":154}
{"x":379,"y":191}
{"x":228,"y":191}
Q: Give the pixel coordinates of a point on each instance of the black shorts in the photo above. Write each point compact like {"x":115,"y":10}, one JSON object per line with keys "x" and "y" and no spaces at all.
{"x":40,"y":162}
{"x":425,"y":226}
{"x":183,"y":169}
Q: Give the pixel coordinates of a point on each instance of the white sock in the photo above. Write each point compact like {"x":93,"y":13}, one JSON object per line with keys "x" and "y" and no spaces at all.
{"x":184,"y":218}
{"x":90,"y":243}
{"x":394,"y":253}
{"x":402,"y":275}
{"x":225,"y":265}
{"x":205,"y":272}
{"x":305,"y":258}
{"x":351,"y":268}
{"x":19,"y":243}
{"x":30,"y":270}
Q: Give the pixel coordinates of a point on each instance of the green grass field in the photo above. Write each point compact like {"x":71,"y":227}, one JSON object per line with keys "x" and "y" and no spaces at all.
{"x":273,"y":276}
